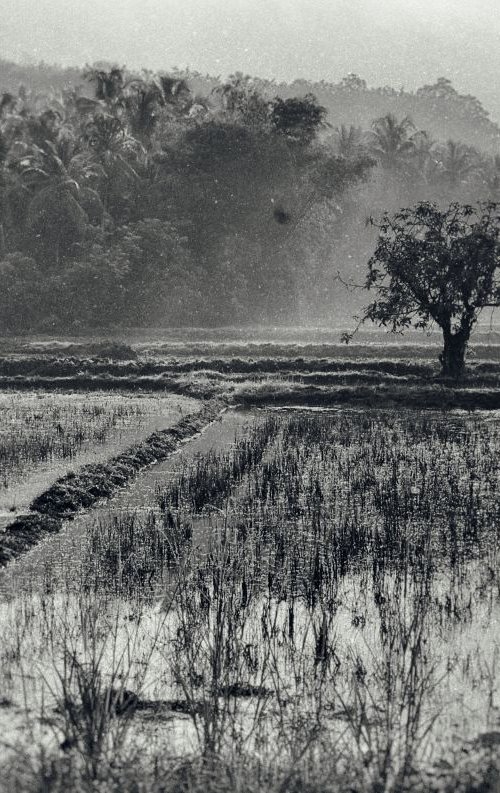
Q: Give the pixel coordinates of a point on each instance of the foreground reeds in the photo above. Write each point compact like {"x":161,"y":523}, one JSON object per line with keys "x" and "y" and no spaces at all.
{"x":308,"y":610}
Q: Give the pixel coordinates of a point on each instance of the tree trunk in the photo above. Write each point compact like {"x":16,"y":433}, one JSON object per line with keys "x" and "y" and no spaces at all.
{"x":453,"y":356}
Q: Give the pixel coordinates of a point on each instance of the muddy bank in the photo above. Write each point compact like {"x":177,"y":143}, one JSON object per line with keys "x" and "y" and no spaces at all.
{"x":281,"y":393}
{"x":45,"y":435}
{"x":61,"y":557}
{"x":91,"y":483}
{"x":198,"y":389}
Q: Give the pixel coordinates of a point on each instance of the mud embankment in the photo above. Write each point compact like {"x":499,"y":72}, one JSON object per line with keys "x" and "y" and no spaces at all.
{"x":86,"y":487}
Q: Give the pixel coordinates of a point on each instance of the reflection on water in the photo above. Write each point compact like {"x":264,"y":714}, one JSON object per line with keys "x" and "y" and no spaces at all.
{"x":347,"y":578}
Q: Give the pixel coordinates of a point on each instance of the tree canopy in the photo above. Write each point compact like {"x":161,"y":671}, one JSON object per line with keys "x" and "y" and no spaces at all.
{"x":255,"y":192}
{"x":440,"y":266}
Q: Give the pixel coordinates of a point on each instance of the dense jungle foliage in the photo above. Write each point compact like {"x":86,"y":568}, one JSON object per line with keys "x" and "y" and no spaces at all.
{"x":142,"y":200}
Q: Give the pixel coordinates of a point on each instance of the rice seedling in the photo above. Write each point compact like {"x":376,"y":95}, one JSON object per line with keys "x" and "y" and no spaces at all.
{"x":47,"y":428}
{"x":323,"y":588}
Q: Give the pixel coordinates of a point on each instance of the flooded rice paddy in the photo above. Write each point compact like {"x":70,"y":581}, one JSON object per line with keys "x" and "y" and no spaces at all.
{"x":317,"y":591}
{"x":43,"y":435}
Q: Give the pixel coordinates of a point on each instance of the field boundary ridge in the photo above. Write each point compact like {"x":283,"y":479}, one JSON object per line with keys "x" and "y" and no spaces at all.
{"x":91,"y":483}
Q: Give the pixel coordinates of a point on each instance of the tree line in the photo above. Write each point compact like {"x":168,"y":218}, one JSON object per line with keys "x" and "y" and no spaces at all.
{"x":143,"y":202}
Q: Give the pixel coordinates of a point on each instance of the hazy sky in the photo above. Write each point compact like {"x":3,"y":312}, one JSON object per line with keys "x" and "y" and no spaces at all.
{"x":395,"y":42}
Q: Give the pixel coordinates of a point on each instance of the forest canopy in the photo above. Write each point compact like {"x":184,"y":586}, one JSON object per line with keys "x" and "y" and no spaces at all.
{"x":170,"y":199}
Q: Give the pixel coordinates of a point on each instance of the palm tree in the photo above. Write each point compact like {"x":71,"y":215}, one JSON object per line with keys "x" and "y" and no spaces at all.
{"x":392,"y":142}
{"x":142,"y":103}
{"x":62,"y":202}
{"x":56,"y":221}
{"x":491,"y":176}
{"x":144,"y":99}
{"x":348,"y":141}
{"x":175,"y":90}
{"x":110,"y":151}
{"x":7,"y":103}
{"x":457,"y":162}
{"x":109,"y":84}
{"x":12,"y":118}
{"x":54,"y":217}
{"x":4,"y":152}
{"x":13,"y":194}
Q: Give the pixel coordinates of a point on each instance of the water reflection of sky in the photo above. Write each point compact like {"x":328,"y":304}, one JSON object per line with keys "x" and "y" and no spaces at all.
{"x":43,"y":606}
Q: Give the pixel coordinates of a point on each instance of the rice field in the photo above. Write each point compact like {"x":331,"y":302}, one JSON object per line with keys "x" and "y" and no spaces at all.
{"x":299,"y":601}
{"x":45,"y":428}
{"x":255,"y":367}
{"x":45,"y":434}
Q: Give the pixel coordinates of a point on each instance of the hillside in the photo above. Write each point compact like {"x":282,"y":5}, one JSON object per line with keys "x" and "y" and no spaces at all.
{"x":41,"y":78}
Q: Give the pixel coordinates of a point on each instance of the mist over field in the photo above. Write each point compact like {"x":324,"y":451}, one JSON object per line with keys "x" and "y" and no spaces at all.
{"x":202,"y":201}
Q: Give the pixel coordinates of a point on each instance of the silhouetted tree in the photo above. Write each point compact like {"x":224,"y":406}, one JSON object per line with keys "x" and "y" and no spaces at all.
{"x":436,"y":266}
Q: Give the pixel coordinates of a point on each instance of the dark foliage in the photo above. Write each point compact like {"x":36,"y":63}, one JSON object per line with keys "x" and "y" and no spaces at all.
{"x":176,"y":200}
{"x":436,"y":266}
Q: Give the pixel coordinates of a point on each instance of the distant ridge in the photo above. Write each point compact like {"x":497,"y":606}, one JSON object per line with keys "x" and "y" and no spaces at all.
{"x":438,"y":108}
